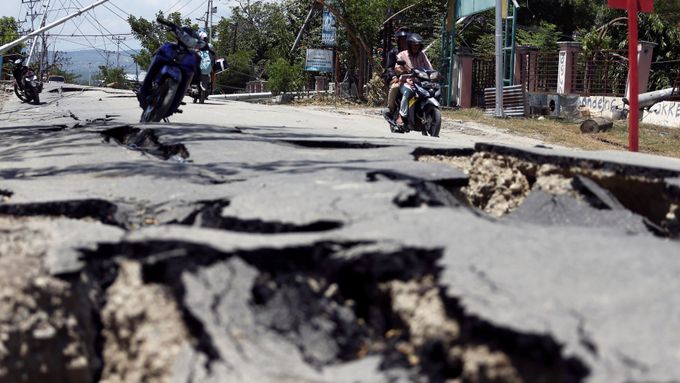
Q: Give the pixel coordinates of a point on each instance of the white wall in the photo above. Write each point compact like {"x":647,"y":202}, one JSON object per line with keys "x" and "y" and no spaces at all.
{"x":663,"y":114}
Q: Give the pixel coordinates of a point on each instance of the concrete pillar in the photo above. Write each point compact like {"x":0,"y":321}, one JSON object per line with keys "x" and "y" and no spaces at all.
{"x":532,"y":69}
{"x":565,"y":73}
{"x":465,"y":61}
{"x":645,"y":53}
{"x":522,"y":64}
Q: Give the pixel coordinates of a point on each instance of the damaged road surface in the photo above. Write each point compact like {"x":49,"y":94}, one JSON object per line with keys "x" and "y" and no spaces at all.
{"x":303,"y":252}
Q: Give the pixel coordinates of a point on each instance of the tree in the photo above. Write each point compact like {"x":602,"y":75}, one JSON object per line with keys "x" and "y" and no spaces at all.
{"x":60,"y":61}
{"x":114,"y":77}
{"x":9,"y":31}
{"x":152,"y":35}
{"x":544,"y":37}
{"x":240,"y":71}
{"x":284,"y":77}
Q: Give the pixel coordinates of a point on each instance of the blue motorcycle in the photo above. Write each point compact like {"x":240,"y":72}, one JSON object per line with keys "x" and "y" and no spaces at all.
{"x":172,"y":68}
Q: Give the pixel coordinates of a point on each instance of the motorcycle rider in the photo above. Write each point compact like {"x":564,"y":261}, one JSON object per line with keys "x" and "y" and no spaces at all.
{"x":207,"y":61}
{"x":390,"y":76}
{"x":414,"y":58}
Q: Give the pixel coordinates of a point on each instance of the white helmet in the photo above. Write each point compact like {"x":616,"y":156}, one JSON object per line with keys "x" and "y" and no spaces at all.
{"x":203,"y":35}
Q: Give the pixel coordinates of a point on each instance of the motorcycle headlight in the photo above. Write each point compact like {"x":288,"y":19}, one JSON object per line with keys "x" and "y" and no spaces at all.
{"x":435,"y":76}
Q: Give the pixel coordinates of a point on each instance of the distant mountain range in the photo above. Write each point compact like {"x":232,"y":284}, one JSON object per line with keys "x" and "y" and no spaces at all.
{"x":84,"y":61}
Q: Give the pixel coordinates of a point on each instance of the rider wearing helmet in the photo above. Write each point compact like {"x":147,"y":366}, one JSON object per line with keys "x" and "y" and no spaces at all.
{"x":207,"y":55}
{"x":414,"y":58}
{"x":391,"y":60}
{"x":390,"y":76}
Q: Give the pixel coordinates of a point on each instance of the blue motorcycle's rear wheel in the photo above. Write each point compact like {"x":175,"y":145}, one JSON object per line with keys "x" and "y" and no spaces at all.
{"x":161,"y":101}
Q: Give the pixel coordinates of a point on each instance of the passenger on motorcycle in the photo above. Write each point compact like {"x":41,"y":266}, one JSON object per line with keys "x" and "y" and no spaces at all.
{"x":390,"y":76}
{"x":415,"y":58}
{"x":207,"y":55}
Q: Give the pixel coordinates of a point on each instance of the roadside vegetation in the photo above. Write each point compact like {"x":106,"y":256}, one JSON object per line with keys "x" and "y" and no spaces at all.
{"x":653,"y":139}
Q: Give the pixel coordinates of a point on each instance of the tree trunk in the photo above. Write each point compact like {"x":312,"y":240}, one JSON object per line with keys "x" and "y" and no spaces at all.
{"x":596,"y":125}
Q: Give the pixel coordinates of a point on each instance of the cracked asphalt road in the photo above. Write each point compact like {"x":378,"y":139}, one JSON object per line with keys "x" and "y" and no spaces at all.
{"x":293,"y":244}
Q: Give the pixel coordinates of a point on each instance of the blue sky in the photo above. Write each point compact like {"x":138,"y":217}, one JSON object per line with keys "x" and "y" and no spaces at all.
{"x":107,"y":18}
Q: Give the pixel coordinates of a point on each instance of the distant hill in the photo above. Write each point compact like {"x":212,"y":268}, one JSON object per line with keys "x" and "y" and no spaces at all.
{"x":81,"y":62}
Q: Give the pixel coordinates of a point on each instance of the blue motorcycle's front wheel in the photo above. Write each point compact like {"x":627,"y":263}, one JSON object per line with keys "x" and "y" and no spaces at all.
{"x":162,"y":97}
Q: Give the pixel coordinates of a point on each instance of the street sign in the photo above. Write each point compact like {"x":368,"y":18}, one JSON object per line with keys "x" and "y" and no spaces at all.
{"x":328,"y":28}
{"x":319,"y":60}
{"x":633,"y":7}
{"x":470,"y":7}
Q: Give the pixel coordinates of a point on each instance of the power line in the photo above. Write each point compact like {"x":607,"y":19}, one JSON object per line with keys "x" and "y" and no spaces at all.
{"x":101,"y":26}
{"x":99,"y":35}
{"x":197,"y":8}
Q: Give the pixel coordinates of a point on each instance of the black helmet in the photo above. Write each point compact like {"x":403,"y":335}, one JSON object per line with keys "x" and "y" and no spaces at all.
{"x":414,"y":39}
{"x":401,"y":33}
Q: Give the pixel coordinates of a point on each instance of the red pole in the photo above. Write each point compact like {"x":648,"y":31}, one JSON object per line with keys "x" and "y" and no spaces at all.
{"x":633,"y":90}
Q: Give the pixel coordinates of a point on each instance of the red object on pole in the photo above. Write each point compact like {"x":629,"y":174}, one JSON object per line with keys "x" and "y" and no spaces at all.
{"x":633,"y":7}
{"x":633,"y":87}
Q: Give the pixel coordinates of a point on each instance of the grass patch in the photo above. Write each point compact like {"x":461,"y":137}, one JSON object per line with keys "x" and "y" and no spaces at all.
{"x":653,"y":139}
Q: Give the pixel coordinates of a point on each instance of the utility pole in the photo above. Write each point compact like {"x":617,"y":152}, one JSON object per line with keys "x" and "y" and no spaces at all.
{"x":31,"y":14}
{"x":209,"y":20}
{"x":499,"y":58}
{"x":118,"y":40}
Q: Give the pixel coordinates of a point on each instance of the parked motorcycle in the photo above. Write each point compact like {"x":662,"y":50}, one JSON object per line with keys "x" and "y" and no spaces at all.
{"x":172,"y":68}
{"x":424,"y":112}
{"x":199,"y":92}
{"x":27,"y":85}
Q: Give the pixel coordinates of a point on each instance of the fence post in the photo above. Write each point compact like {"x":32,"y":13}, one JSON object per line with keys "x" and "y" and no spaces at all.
{"x":521,"y":53}
{"x":465,"y":60}
{"x":645,"y":53}
{"x":532,"y":69}
{"x":565,"y":72}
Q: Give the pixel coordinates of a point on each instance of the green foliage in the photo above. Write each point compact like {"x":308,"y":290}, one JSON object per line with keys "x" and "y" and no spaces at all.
{"x":69,"y":77}
{"x":113,"y":76}
{"x":9,"y":31}
{"x":284,"y":77}
{"x":485,"y":45}
{"x":152,"y":35}
{"x":544,"y":37}
{"x":240,"y":71}
{"x":376,"y":93}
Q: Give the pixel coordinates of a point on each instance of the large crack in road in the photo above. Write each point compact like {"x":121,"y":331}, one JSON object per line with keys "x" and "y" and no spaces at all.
{"x":221,"y":289}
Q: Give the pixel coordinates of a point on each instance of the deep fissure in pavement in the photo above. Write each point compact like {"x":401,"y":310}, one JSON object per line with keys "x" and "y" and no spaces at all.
{"x":333,"y":144}
{"x":501,"y":183}
{"x":146,"y":141}
{"x":97,"y":209}
{"x":209,"y":215}
{"x":338,"y":302}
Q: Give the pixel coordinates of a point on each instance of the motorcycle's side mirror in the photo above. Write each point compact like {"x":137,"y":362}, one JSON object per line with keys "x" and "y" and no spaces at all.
{"x":401,"y":62}
{"x":167,"y":23}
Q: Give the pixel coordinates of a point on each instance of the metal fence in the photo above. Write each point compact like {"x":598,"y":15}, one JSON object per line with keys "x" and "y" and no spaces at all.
{"x":601,"y":73}
{"x":664,"y":75}
{"x":540,"y":71}
{"x":483,"y":76}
